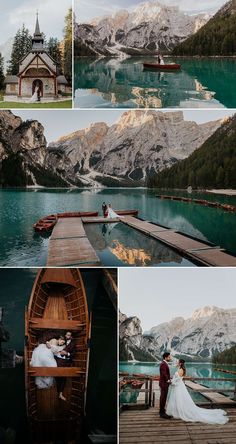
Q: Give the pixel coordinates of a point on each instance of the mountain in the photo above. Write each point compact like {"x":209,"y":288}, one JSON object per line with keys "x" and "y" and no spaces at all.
{"x":147,"y":29}
{"x":22,"y":153}
{"x":130,"y":344}
{"x":208,"y":331}
{"x":216,"y":37}
{"x":128,"y":153}
{"x":213,"y":165}
{"x":138,"y":145}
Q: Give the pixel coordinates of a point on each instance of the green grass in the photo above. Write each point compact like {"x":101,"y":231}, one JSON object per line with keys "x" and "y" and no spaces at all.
{"x":13,"y":105}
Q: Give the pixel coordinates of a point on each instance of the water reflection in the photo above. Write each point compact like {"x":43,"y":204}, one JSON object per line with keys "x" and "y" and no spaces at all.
{"x":118,"y":242}
{"x":124,"y":83}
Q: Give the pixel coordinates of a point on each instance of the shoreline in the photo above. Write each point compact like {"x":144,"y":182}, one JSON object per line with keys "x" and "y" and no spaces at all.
{"x":226,"y":192}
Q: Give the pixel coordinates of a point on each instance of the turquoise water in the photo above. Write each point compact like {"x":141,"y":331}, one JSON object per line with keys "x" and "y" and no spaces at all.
{"x":196,"y":369}
{"x":20,"y":209}
{"x":115,"y":83}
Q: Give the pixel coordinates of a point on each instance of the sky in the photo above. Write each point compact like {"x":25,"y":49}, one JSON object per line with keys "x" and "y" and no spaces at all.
{"x":85,"y":10}
{"x":157,"y":295}
{"x":58,"y":123}
{"x":14,"y":13}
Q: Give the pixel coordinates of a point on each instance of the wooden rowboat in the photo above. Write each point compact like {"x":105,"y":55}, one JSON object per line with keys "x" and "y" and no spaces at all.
{"x":47,"y":223}
{"x":125,"y":212}
{"x":57,"y":304}
{"x":166,"y":67}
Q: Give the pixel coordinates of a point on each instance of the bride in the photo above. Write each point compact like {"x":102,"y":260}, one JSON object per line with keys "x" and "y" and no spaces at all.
{"x":34,"y":97}
{"x":111,"y":213}
{"x":43,"y":356}
{"x":180,"y":404}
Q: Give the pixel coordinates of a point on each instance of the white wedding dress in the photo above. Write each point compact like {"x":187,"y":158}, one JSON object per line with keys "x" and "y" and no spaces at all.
{"x":42,"y":356}
{"x":34,"y":97}
{"x":180,"y":405}
{"x":112,"y":214}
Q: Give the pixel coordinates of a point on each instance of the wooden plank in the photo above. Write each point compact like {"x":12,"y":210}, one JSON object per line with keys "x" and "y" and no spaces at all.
{"x":55,"y":371}
{"x":100,"y":220}
{"x":143,"y":427}
{"x":217,"y":258}
{"x":66,"y":252}
{"x":209,"y":255}
{"x":68,"y":228}
{"x":213,"y":396}
{"x":144,"y":226}
{"x":41,"y":323}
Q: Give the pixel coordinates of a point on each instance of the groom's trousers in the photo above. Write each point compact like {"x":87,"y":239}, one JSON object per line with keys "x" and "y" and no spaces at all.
{"x":163,"y":397}
{"x":61,"y":381}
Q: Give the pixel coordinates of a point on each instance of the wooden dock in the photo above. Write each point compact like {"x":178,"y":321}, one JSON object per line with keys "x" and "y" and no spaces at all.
{"x":146,"y":427}
{"x":213,"y":396}
{"x":199,"y":251}
{"x":70,"y":246}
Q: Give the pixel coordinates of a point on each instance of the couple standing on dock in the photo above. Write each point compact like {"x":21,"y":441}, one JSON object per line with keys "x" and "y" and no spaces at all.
{"x":175,"y":400}
{"x":108,"y":211}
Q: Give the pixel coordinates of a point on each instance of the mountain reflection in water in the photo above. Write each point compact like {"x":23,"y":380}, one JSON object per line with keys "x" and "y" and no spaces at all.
{"x":121,"y":83}
{"x":123,"y":245}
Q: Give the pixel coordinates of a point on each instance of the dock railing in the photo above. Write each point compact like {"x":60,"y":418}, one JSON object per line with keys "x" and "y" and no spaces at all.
{"x":148,"y":398}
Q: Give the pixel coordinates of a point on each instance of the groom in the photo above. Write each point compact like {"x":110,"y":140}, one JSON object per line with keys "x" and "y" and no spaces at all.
{"x":164,"y":383}
{"x":65,"y":359}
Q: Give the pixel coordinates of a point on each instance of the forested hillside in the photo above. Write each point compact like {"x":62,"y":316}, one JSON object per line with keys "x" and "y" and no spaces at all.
{"x":213,"y":165}
{"x":217,"y":37}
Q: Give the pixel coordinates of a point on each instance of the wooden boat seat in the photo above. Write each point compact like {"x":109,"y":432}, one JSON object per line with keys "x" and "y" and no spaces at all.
{"x":56,"y":371}
{"x":59,"y":324}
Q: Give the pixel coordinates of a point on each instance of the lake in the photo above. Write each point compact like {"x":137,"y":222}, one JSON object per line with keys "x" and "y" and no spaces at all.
{"x":195,"y":369}
{"x":123,"y":83}
{"x":21,"y":208}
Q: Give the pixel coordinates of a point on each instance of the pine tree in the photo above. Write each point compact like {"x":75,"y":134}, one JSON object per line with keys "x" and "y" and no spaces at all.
{"x":67,"y":61}
{"x":53,"y":49}
{"x":21,"y":46}
{"x":1,"y":72}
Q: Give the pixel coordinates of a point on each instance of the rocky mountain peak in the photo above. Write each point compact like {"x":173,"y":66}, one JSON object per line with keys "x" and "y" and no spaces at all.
{"x":204,"y":312}
{"x":210,"y":329}
{"x":148,"y":28}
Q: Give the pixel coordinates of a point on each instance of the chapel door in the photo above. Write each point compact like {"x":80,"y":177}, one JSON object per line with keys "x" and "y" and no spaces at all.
{"x":37,"y":83}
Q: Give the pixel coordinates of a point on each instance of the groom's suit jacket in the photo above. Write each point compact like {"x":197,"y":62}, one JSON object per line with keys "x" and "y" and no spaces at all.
{"x":67,"y":362}
{"x":164,"y":374}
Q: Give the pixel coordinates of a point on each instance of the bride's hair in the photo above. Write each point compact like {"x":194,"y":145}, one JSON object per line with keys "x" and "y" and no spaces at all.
{"x":182,"y":366}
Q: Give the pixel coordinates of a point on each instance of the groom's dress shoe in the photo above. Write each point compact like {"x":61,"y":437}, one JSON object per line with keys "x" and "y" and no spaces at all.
{"x":165,"y":416}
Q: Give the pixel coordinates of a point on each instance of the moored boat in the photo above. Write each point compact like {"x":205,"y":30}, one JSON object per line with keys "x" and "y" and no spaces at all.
{"x":57,"y":304}
{"x":46,"y":223}
{"x":165,"y":67}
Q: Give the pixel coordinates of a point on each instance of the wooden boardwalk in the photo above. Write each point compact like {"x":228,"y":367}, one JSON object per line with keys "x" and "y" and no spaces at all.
{"x":145,"y":426}
{"x":215,"y":397}
{"x":70,"y":246}
{"x":197,"y":250}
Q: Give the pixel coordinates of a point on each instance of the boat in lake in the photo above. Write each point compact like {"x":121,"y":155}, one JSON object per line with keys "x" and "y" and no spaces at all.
{"x":165,"y":67}
{"x":58,"y":303}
